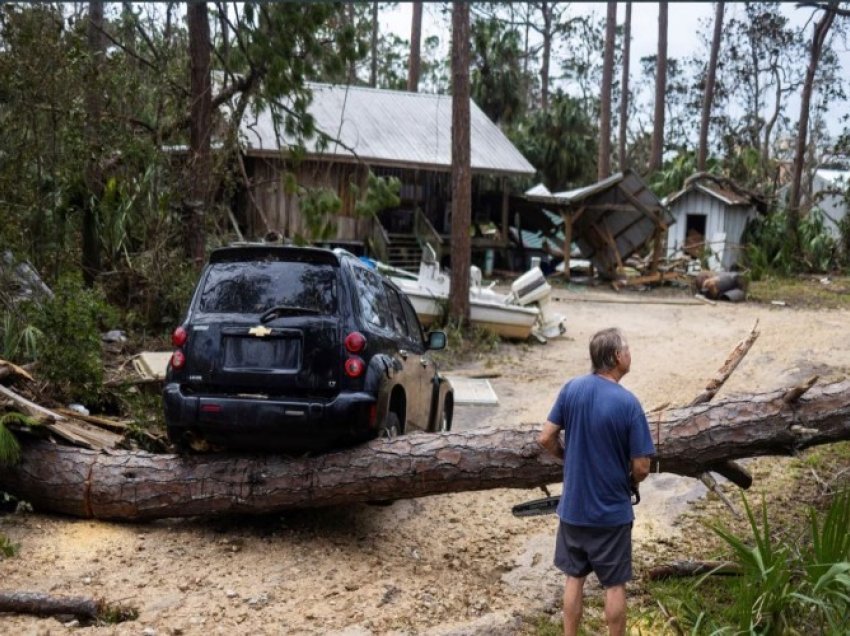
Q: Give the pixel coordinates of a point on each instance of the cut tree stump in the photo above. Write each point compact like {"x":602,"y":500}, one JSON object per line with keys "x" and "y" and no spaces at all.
{"x":127,"y":485}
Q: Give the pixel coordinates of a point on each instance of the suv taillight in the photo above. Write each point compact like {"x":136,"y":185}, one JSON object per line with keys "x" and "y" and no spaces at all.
{"x":179,"y":337}
{"x":354,"y":367}
{"x":355,"y":342}
{"x":177,"y":359}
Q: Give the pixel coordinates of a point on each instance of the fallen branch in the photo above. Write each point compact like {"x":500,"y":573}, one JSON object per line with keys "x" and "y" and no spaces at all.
{"x":137,"y":485}
{"x":732,"y":361}
{"x":735,"y":473}
{"x":82,"y":607}
{"x":678,"y":569}
{"x":30,"y":407}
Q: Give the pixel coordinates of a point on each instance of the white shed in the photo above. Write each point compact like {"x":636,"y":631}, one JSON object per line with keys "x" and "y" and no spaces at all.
{"x":708,"y":216}
{"x":829,"y":188}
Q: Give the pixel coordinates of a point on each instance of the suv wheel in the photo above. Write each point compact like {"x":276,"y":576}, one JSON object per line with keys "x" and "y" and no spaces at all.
{"x":445,"y":425}
{"x":391,"y":427}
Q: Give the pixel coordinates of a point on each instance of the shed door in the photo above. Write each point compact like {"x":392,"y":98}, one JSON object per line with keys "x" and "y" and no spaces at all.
{"x":695,"y":234}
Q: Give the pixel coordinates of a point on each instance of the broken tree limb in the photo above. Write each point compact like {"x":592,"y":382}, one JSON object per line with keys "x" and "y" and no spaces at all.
{"x":678,"y":569}
{"x":31,"y":407}
{"x":732,"y":471}
{"x":82,"y":607}
{"x":129,"y":485}
{"x":732,"y":360}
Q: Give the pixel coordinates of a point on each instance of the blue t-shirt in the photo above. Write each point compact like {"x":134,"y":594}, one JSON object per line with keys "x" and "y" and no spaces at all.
{"x":604,"y":429}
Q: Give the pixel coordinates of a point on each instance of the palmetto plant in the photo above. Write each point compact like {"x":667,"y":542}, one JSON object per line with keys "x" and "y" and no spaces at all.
{"x":827,"y":565}
{"x":765,"y":591}
{"x":10,"y":450}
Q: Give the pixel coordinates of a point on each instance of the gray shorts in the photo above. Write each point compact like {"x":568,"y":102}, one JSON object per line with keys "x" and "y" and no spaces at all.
{"x":606,"y":551}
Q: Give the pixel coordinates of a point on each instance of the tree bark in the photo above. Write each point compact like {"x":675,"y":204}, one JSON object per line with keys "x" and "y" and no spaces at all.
{"x":818,"y":39}
{"x":373,"y":75}
{"x":461,"y":167}
{"x":200,"y":154}
{"x":414,"y":63}
{"x":546,"y":10}
{"x":603,"y":162}
{"x":49,"y":605}
{"x":657,"y":156}
{"x":128,"y":485}
{"x":93,"y":177}
{"x":710,"y":78}
{"x":624,"y":85}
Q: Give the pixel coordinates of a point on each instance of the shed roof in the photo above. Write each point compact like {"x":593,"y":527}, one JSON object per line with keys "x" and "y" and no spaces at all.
{"x":390,"y":128}
{"x":724,"y":195}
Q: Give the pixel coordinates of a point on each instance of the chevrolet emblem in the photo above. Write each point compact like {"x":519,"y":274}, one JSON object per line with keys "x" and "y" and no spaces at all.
{"x":259,"y":331}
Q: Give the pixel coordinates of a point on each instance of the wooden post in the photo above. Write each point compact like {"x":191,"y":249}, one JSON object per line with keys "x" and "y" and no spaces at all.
{"x":505,"y":209}
{"x":568,"y":241}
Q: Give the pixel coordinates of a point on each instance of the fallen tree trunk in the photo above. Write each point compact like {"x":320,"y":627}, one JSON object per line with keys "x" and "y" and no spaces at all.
{"x":135,"y":485}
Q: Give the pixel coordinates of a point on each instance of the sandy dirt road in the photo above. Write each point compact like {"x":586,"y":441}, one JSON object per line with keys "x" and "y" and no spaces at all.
{"x":450,"y":564}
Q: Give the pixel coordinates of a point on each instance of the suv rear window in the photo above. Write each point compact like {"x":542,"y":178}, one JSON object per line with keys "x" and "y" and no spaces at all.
{"x":254,"y":287}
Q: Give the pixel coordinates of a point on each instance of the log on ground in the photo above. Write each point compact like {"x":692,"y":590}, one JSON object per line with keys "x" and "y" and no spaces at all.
{"x":82,"y":607}
{"x":129,"y":485}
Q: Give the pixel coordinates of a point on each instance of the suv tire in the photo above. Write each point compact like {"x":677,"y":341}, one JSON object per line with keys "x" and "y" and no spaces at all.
{"x":391,"y":428}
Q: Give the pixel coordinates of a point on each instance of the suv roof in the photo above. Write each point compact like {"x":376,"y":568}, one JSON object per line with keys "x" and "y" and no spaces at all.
{"x":262,"y":251}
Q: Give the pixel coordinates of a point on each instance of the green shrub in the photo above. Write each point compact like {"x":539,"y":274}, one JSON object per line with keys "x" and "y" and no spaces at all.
{"x":786,"y":587}
{"x":18,"y":339}
{"x":70,"y":324}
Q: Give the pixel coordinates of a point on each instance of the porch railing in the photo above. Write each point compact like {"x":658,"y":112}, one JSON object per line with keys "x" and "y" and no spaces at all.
{"x":426,"y":233}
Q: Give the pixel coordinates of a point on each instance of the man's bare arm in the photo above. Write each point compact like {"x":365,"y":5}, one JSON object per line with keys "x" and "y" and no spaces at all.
{"x":640,"y":469}
{"x":550,"y":439}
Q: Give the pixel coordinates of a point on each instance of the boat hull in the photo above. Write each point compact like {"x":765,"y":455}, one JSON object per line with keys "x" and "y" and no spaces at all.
{"x":510,"y":322}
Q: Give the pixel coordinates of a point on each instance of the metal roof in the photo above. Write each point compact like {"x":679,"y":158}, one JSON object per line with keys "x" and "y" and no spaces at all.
{"x":723,"y":195}
{"x":838,"y":177}
{"x":389,"y":128}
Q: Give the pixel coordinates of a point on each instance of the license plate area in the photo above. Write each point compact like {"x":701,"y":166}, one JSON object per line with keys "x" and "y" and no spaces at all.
{"x":249,"y":353}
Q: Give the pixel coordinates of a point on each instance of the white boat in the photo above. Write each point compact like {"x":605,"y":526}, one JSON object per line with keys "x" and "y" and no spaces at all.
{"x":517,"y":315}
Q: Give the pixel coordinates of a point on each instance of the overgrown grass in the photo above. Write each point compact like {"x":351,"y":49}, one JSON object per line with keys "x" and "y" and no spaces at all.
{"x":803,"y":291}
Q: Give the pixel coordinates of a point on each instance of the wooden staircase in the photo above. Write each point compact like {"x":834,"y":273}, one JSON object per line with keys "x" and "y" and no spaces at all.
{"x":404,"y":251}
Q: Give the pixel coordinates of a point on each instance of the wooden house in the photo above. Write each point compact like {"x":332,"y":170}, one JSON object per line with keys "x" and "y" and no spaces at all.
{"x":390,"y":133}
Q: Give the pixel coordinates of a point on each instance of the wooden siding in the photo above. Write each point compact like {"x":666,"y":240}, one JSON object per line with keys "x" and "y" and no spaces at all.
{"x":269,"y":207}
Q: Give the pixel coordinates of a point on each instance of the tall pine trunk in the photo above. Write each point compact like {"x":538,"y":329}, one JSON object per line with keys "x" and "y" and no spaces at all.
{"x":461,"y":168}
{"x":373,"y":75}
{"x":656,"y":156}
{"x":415,"y":61}
{"x":93,"y":175}
{"x":708,"y":96}
{"x":546,"y":9}
{"x":200,"y":156}
{"x":624,"y":82}
{"x":603,"y":162}
{"x":818,"y":39}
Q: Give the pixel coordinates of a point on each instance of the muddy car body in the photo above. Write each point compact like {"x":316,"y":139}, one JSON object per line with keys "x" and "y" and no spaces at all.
{"x":300,"y":349}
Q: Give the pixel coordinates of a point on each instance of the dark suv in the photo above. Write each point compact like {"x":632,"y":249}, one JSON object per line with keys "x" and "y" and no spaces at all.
{"x":299,"y":349}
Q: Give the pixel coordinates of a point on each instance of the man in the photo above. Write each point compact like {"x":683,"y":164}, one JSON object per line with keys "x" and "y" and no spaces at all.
{"x":606,"y":450}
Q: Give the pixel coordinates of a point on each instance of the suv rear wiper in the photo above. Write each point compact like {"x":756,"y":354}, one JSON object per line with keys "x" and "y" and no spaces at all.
{"x":279,"y":310}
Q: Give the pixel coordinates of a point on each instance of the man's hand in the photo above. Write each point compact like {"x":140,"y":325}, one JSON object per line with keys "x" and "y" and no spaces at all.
{"x":550,"y":439}
{"x":640,"y":469}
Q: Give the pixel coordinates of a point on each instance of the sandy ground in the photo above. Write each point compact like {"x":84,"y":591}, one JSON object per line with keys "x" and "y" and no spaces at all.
{"x":450,"y":564}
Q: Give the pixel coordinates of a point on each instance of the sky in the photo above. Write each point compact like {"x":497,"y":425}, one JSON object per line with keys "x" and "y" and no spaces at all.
{"x":682,"y":38}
